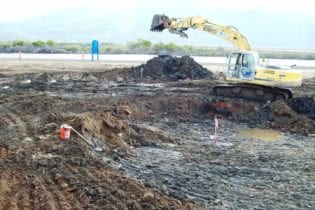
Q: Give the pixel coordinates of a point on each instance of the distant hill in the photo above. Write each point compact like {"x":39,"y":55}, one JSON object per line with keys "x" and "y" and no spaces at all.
{"x":264,"y":30}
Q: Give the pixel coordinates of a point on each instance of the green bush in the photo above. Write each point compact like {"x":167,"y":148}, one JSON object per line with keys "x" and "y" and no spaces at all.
{"x":112,"y":48}
{"x":38,"y":43}
{"x":19,"y":43}
{"x":171,"y":47}
{"x":50,"y":42}
{"x":158,"y":46}
{"x":144,"y":43}
{"x":5,"y":44}
{"x":140,"y":44}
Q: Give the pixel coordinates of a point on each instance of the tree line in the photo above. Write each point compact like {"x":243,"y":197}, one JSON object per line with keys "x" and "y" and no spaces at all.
{"x":139,"y":46}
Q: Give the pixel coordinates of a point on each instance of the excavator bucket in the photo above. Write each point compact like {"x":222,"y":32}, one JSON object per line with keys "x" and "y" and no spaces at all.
{"x":159,"y":23}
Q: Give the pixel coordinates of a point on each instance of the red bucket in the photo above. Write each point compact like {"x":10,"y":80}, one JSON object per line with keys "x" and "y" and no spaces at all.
{"x":65,"y":132}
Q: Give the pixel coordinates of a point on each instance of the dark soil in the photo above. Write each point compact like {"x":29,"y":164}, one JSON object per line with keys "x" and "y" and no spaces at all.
{"x":165,"y":68}
{"x":303,"y":105}
{"x":157,"y":149}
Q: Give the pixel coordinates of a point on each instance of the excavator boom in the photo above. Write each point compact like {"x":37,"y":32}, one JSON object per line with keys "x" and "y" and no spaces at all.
{"x":179,"y":25}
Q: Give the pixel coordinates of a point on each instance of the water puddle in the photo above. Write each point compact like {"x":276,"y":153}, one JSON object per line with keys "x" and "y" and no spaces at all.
{"x":260,"y":134}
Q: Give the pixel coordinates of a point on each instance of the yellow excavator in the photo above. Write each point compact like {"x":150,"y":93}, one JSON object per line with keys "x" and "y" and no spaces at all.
{"x":249,"y":79}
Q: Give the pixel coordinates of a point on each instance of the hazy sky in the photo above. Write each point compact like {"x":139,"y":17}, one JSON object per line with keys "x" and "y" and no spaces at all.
{"x":266,"y":23}
{"x":16,"y":10}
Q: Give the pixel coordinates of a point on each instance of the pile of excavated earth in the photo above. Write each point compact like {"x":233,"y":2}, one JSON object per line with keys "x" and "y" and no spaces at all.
{"x":169,"y":68}
{"x":151,"y":139}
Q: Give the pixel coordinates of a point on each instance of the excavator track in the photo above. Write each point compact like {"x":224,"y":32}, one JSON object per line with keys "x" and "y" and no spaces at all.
{"x":254,"y":92}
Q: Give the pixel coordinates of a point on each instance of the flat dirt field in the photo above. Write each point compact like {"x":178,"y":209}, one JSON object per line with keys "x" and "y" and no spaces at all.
{"x":149,"y":139}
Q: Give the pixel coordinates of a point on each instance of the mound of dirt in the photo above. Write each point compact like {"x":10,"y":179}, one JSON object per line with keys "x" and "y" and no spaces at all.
{"x":102,"y":128}
{"x":114,"y":135}
{"x":276,"y":115}
{"x":285,"y":119}
{"x":233,"y":109}
{"x":169,"y":68}
{"x":303,"y":105}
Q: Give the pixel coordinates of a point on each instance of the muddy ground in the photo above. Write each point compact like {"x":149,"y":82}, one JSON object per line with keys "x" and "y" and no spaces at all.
{"x":156,"y":133}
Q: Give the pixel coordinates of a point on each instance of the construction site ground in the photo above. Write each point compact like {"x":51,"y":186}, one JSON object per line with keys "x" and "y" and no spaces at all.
{"x":155,"y":126}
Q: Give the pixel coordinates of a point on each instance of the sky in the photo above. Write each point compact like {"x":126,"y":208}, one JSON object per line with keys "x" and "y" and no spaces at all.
{"x":265,"y":23}
{"x":18,"y":10}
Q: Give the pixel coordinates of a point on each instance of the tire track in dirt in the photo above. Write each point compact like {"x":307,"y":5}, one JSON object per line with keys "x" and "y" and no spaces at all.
{"x":56,"y":200}
{"x":4,"y":117}
{"x":64,"y":192}
{"x":4,"y":152}
{"x":61,"y":199}
{"x":36,"y":194}
{"x":49,"y":200}
{"x":19,"y":196}
{"x":12,"y":200}
{"x":24,"y":199}
{"x":10,"y":188}
{"x":13,"y":120}
{"x":49,"y":194}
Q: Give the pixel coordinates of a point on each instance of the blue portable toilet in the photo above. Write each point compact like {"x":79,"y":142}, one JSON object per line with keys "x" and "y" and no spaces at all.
{"x":95,"y":49}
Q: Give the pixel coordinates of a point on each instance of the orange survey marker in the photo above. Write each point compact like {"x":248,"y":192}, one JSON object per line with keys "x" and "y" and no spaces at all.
{"x":65,"y":132}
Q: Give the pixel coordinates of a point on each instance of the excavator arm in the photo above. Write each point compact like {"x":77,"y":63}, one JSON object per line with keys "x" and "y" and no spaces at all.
{"x":179,"y":25}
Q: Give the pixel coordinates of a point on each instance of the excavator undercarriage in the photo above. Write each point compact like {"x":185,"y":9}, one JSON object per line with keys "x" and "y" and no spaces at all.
{"x":255,"y":92}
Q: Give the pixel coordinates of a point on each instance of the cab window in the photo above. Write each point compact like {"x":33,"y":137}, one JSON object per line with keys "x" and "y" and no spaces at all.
{"x":234,"y":60}
{"x":247,"y":61}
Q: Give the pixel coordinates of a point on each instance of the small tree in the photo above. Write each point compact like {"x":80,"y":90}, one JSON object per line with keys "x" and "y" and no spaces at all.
{"x":18,"y":43}
{"x":38,"y":43}
{"x":140,"y":43}
{"x":171,"y":47}
{"x":144,"y":43}
{"x":50,"y":42}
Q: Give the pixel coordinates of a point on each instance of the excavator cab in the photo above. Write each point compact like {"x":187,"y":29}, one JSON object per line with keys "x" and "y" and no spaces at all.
{"x":241,"y":65}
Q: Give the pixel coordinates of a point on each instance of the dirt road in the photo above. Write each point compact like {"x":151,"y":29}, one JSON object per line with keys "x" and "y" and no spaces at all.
{"x":157,"y":140}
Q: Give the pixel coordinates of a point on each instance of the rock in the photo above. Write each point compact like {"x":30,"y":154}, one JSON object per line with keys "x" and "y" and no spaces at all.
{"x":28,"y":139}
{"x":90,"y":191}
{"x":276,"y":178}
{"x":148,"y":197}
{"x":64,"y":185}
{"x":127,"y":111}
{"x":217,"y":202}
{"x":58,"y":177}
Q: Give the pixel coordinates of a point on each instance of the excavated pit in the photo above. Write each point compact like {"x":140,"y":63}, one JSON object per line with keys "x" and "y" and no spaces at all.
{"x":158,"y":145}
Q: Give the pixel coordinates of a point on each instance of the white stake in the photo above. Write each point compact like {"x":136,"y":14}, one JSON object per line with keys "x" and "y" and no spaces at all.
{"x":216,"y":124}
{"x":85,"y":139}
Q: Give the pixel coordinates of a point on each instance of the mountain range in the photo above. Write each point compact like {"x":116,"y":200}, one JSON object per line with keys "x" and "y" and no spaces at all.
{"x":264,"y":29}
